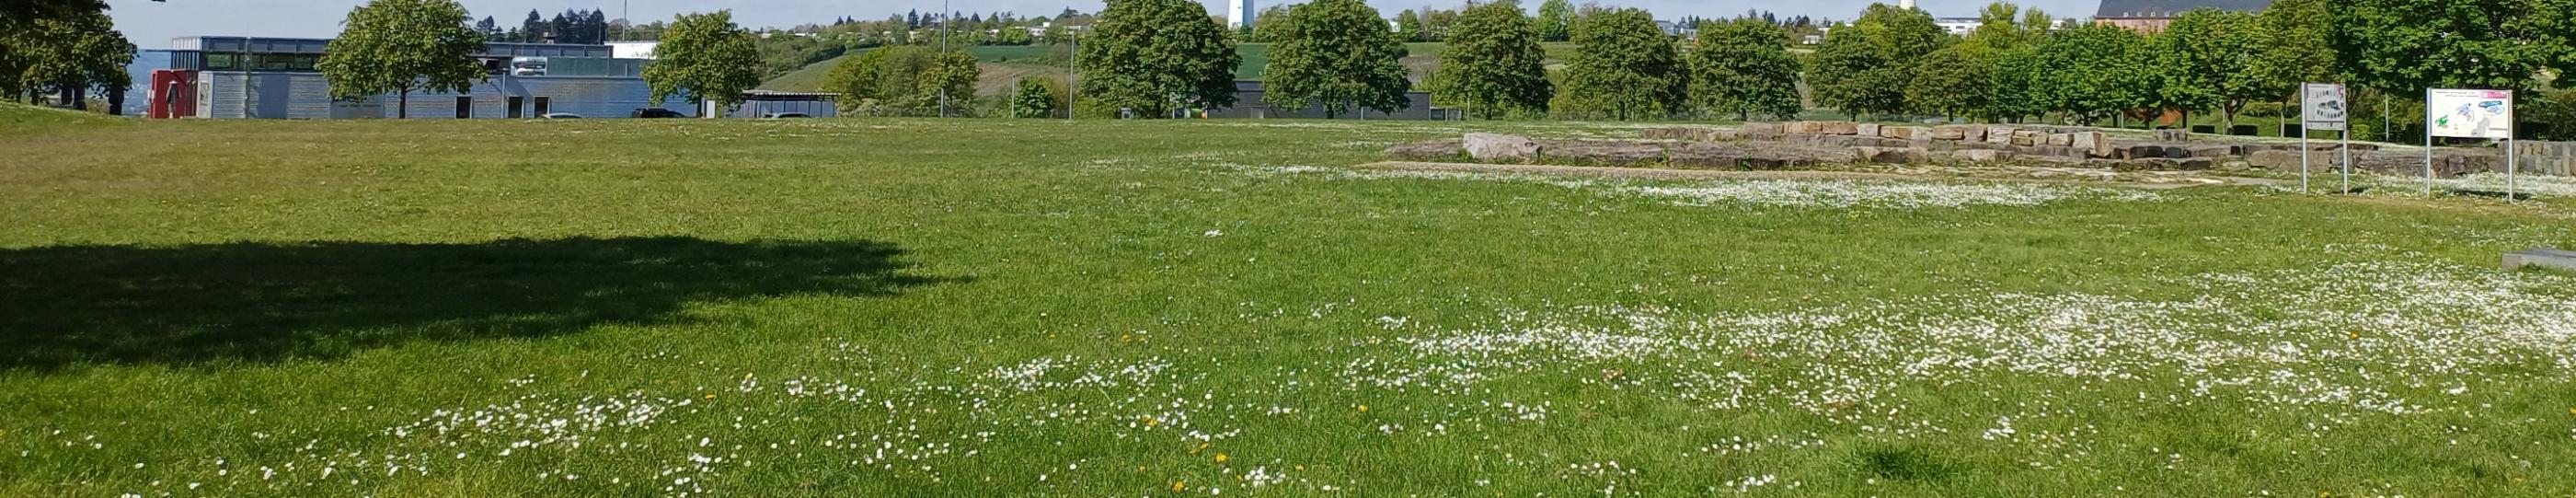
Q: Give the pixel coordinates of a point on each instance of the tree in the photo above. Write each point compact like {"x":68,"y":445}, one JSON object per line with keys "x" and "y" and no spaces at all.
{"x":72,"y":53}
{"x":2219,"y":48}
{"x":1157,"y":56}
{"x":397,"y":46}
{"x":2096,"y":71}
{"x":706,"y":58}
{"x":1409,"y":25}
{"x":2409,"y":45}
{"x":1270,"y":24}
{"x":1495,"y":65}
{"x":533,"y":30}
{"x":2015,"y":84}
{"x":1555,"y":20}
{"x":1338,"y":54}
{"x":860,"y":78}
{"x":1626,"y":66}
{"x":1850,"y":73}
{"x":2296,"y":47}
{"x":1743,"y":67}
{"x":952,"y":74}
{"x":1903,"y":36}
{"x":488,"y":28}
{"x":1953,"y":81}
{"x":1036,"y":97}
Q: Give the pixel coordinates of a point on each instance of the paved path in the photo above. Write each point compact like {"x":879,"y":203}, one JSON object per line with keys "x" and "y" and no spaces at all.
{"x":1692,"y":174}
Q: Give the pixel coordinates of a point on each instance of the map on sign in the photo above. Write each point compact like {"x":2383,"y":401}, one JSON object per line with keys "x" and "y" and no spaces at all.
{"x":2469,"y":113}
{"x":2324,"y":106}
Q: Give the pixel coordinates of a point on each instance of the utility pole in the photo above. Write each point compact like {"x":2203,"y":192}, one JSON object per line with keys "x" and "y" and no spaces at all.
{"x":1072,"y":73}
{"x":944,"y":19}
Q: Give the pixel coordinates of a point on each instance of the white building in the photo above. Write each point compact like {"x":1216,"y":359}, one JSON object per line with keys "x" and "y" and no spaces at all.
{"x":632,"y":50}
{"x":1959,"y":26}
{"x":1239,"y":13}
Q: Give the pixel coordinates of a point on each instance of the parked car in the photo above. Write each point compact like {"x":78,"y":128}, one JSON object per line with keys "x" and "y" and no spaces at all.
{"x":560,"y":115}
{"x":785,"y":115}
{"x":656,"y":113}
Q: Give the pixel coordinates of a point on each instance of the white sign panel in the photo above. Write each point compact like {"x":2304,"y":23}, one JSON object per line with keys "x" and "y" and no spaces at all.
{"x":2469,"y":113}
{"x":2324,"y":106}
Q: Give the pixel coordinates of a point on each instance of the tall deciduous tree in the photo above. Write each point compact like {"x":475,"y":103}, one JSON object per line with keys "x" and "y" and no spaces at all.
{"x":704,"y":58}
{"x":1954,"y":81}
{"x":1627,"y":66}
{"x":1494,"y":65}
{"x":1743,"y":67}
{"x":1850,"y":73}
{"x":1409,"y":25}
{"x":2405,"y":46}
{"x":2096,"y":71}
{"x":2015,"y":83}
{"x":2215,"y":50}
{"x":399,"y":46}
{"x":951,"y":74}
{"x":1156,"y":56}
{"x":2296,"y":47}
{"x":1556,"y":20}
{"x":76,"y":52}
{"x":1338,"y":54}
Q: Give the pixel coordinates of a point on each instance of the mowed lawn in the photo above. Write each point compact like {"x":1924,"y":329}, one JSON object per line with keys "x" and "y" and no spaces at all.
{"x":1044,"y":308}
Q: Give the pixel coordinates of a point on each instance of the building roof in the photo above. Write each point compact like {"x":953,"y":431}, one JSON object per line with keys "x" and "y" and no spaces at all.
{"x":2132,"y":9}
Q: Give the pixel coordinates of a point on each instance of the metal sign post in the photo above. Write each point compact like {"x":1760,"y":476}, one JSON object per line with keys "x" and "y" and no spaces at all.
{"x":2322,"y":106}
{"x":2484,"y":114}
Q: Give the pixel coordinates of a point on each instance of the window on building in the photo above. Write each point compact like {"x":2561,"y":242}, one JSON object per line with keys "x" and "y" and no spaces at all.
{"x":513,"y":102}
{"x":223,"y":62}
{"x":545,"y":106}
{"x":464,"y":107}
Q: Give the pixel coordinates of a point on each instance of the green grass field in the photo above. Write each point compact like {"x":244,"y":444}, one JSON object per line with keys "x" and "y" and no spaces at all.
{"x":1049,"y":308}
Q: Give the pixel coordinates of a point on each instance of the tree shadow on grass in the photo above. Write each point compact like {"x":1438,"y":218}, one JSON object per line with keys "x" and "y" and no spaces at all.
{"x":261,"y":302}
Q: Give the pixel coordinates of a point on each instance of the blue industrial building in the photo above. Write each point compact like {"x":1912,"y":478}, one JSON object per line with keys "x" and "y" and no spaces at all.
{"x":246,"y":77}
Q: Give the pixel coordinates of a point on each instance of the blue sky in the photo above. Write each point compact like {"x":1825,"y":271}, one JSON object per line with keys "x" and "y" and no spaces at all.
{"x":152,"y":24}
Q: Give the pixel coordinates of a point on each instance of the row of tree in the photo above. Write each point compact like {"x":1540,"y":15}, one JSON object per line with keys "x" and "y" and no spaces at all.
{"x":571,"y":26}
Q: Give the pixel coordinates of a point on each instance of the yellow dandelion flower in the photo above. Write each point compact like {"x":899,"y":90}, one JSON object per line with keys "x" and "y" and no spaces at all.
{"x":1363,"y":408}
{"x":1220,"y":458}
{"x":1177,"y":485}
{"x":711,"y":395}
{"x":1301,"y":468}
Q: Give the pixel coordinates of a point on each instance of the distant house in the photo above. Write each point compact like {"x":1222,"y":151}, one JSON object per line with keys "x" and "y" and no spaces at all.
{"x":2151,"y":16}
{"x":1959,"y":26}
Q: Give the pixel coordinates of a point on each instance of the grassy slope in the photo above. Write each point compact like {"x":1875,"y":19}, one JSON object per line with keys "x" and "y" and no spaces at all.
{"x":871,"y":308}
{"x":18,"y":118}
{"x":1420,"y":57}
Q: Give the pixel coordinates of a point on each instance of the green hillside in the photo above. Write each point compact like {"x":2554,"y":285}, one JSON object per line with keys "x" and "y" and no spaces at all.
{"x":16,"y":118}
{"x":1420,"y":58}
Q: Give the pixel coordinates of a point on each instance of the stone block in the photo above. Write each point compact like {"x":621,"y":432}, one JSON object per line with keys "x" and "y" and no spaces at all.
{"x":2088,"y":142}
{"x":1804,"y":127}
{"x":1950,"y":132}
{"x":2061,"y":139}
{"x":1866,"y":129}
{"x":1979,"y":156}
{"x":1973,"y":133}
{"x":1880,"y":155}
{"x":2028,"y":138}
{"x":2000,"y":135}
{"x":1761,"y":129}
{"x":1498,"y":147}
{"x":1435,"y":150}
{"x":1839,"y":128}
{"x":1705,"y":156}
{"x":1604,"y":153}
{"x":2544,"y":257}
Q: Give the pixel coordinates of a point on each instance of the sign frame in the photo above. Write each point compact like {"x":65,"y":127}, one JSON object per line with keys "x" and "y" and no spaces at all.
{"x":2487,"y":107}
